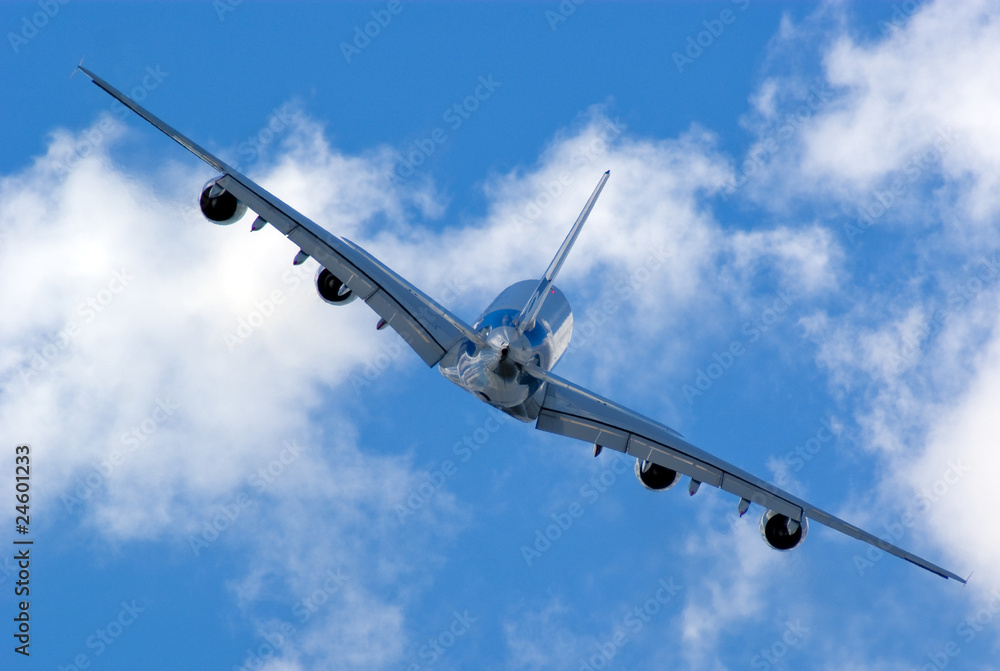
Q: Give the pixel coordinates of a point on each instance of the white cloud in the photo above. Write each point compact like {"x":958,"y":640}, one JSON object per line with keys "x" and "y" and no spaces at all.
{"x":737,"y":580}
{"x":914,"y":356}
{"x":805,"y":260}
{"x":191,"y":356}
{"x":923,"y":401}
{"x":541,"y":638}
{"x":918,"y":102}
{"x":956,"y":473}
{"x":155,"y":371}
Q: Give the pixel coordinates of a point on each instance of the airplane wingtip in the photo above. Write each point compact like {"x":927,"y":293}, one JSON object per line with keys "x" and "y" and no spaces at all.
{"x":79,"y":66}
{"x":85,"y":71}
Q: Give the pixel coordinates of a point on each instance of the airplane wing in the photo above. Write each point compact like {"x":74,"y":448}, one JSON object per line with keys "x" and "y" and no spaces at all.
{"x":431,"y":330}
{"x":427,"y":327}
{"x":570,"y":410}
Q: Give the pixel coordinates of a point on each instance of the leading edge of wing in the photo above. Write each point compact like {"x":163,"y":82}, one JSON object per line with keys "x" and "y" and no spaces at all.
{"x":192,"y":147}
{"x":425,"y":325}
{"x":573,"y":411}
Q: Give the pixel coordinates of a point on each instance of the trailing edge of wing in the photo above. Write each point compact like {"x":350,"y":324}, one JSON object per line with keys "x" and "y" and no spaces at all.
{"x":151,"y":118}
{"x":424,"y":325}
{"x":572,"y":411}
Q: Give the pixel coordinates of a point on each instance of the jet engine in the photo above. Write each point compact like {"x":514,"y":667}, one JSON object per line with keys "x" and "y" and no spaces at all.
{"x":656,"y":477}
{"x":331,"y":289}
{"x":774,"y":528}
{"x":219,"y":206}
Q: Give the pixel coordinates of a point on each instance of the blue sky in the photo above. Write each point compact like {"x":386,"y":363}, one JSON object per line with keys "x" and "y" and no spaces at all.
{"x":228,"y":473}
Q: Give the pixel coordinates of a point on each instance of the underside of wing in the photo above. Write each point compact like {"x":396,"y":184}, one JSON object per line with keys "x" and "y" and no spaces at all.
{"x":427,"y":327}
{"x":570,"y":410}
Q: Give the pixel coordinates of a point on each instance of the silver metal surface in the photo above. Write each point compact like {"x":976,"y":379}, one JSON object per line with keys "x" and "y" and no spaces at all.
{"x":506,"y":358}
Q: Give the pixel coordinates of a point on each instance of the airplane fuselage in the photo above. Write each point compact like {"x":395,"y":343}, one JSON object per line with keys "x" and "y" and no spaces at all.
{"x":494,"y":374}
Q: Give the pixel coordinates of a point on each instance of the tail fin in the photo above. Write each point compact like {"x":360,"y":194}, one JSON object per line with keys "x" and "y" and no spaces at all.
{"x":526,"y":320}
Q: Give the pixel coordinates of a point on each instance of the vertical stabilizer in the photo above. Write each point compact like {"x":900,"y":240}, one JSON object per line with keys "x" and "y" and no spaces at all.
{"x":526,"y":320}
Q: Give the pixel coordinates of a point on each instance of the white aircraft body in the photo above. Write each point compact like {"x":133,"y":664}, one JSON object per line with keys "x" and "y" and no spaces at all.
{"x":506,"y":357}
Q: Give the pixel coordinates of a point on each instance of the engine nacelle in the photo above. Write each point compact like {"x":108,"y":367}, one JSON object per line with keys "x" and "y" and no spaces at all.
{"x":219,"y":206}
{"x":331,"y":289}
{"x":656,"y":477}
{"x":774,"y":530}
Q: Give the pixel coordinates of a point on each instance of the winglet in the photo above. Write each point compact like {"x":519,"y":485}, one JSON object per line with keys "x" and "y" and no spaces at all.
{"x":527,"y":317}
{"x":79,"y":66}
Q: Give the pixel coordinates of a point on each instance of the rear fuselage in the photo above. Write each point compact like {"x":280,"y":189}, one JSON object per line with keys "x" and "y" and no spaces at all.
{"x":494,"y":374}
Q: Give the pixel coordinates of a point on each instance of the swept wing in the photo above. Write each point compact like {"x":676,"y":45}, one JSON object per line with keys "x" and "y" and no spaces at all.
{"x":567,"y":409}
{"x":570,"y":410}
{"x":426,"y":326}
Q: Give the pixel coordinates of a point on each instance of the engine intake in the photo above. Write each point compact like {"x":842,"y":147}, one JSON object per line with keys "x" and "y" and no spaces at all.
{"x":219,"y":206}
{"x":655,"y":477}
{"x":774,"y":530}
{"x":331,"y":289}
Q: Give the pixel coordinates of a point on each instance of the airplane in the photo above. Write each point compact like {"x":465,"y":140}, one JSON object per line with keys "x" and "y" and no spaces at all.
{"x":506,"y":357}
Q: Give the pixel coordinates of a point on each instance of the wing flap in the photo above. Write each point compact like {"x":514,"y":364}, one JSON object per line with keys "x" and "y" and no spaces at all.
{"x":575,"y":412}
{"x":431,"y":330}
{"x":415,"y":317}
{"x":641,"y":448}
{"x":583,"y":429}
{"x":423,"y":324}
